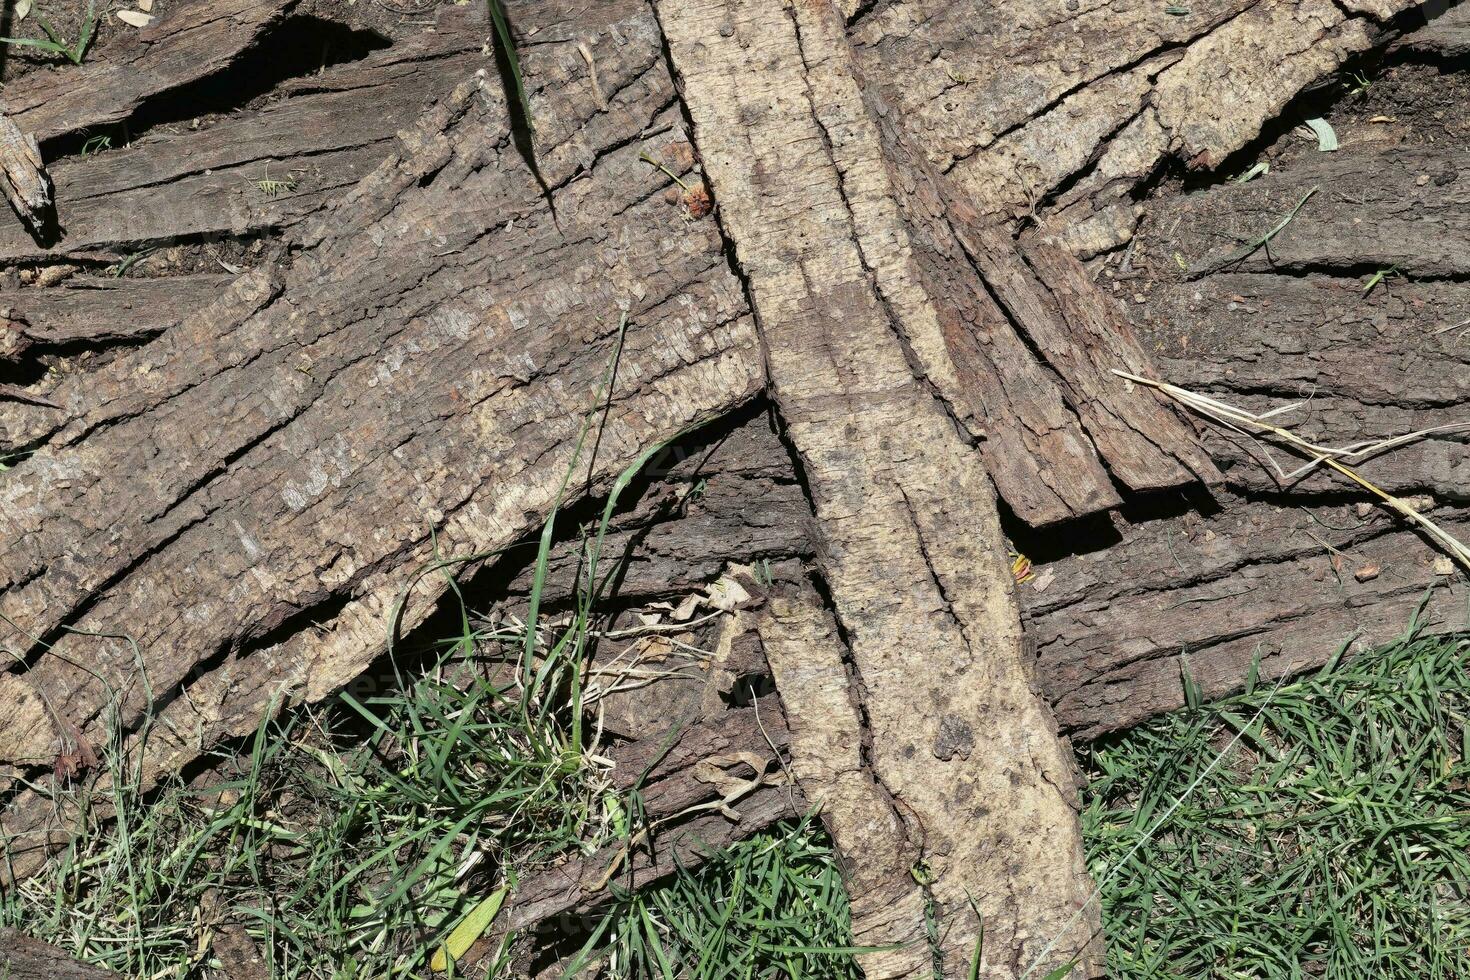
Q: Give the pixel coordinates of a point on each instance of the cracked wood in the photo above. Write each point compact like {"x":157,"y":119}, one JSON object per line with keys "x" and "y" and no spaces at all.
{"x":907,"y":534}
{"x":406,"y":384}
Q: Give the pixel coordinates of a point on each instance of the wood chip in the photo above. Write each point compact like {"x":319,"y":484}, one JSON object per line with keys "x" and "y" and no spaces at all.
{"x":1368,"y":572}
{"x":135,"y":18}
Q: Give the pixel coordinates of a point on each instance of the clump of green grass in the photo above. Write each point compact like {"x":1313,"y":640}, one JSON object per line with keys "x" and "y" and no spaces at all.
{"x":1331,"y":839}
{"x":337,"y":855}
{"x":772,"y":905}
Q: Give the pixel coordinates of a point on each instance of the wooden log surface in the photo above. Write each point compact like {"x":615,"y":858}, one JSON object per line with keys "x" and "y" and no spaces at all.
{"x":342,"y":411}
{"x":907,"y":535}
{"x":24,"y":958}
{"x":405,"y":365}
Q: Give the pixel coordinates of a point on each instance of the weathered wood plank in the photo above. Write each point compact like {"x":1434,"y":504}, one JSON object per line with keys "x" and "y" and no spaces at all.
{"x":91,"y":309}
{"x":24,"y":958}
{"x":319,"y":139}
{"x":1062,"y":108}
{"x":189,"y":41}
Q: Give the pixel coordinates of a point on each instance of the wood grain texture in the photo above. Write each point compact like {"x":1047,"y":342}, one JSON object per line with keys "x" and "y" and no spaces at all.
{"x":187,"y":42}
{"x":1291,"y":569}
{"x":409,"y":383}
{"x":319,"y":136}
{"x":97,"y":310}
{"x":907,"y":535}
{"x":1059,"y":107}
{"x":829,"y":752}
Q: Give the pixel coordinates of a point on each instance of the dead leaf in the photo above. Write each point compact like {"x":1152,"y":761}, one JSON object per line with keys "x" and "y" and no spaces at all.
{"x":76,"y":756}
{"x":22,"y":8}
{"x":697,"y":200}
{"x":135,"y":18}
{"x":685,"y":610}
{"x":727,"y":594}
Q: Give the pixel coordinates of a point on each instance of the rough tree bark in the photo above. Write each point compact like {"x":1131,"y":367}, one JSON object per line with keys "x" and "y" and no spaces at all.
{"x":237,"y":475}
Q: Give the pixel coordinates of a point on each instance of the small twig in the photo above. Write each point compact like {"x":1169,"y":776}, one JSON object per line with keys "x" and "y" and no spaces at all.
{"x":672,"y":176}
{"x":1233,"y":417}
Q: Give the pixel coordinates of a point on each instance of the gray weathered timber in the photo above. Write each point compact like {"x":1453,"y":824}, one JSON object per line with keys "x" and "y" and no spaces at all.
{"x":320,"y":137}
{"x":24,"y":958}
{"x":188,"y":42}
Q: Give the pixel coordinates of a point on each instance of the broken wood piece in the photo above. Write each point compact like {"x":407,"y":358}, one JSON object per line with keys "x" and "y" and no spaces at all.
{"x":1058,"y":116}
{"x":194,"y":39}
{"x":15,"y":393}
{"x":409,"y":385}
{"x":73,"y":313}
{"x":24,"y":958}
{"x":163,"y":187}
{"x":884,"y":864}
{"x":27,"y":186}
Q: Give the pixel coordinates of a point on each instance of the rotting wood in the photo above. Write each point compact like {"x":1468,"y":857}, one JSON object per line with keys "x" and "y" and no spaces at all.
{"x":1445,"y":35}
{"x":688,"y":814}
{"x":320,"y":138}
{"x":25,"y":182}
{"x":1297,"y":326}
{"x":1106,"y":623}
{"x":908,"y":538}
{"x":1205,"y":594}
{"x":24,"y":958}
{"x":68,"y":314}
{"x":189,"y":41}
{"x":884,"y":861}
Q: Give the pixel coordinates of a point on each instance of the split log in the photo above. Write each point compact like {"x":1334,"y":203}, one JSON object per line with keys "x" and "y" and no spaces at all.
{"x":1060,"y":109}
{"x":67,"y":316}
{"x":188,"y":42}
{"x":317,"y":138}
{"x":341,"y":411}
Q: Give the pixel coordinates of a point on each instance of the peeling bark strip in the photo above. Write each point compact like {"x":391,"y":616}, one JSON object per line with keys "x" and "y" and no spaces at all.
{"x":325,"y":136}
{"x":189,"y":41}
{"x":827,"y":755}
{"x":908,"y":536}
{"x":422,"y":365}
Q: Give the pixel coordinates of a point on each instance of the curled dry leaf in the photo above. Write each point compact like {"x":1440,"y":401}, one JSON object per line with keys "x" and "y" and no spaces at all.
{"x":135,"y":18}
{"x":76,"y":756}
